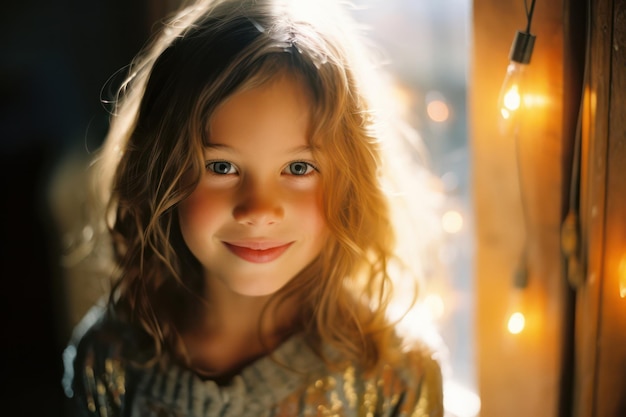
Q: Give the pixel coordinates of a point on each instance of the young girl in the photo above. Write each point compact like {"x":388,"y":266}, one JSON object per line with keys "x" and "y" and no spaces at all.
{"x":251,"y":228}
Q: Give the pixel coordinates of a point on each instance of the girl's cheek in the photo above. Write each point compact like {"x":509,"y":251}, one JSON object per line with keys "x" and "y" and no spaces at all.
{"x":310,"y":205}
{"x":203,"y":208}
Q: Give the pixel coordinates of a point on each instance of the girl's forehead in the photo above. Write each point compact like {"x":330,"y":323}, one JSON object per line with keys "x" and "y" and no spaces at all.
{"x":275,"y":114}
{"x":284,"y":87}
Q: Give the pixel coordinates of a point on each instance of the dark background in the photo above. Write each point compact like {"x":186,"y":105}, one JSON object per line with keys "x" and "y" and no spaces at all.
{"x":55,"y":57}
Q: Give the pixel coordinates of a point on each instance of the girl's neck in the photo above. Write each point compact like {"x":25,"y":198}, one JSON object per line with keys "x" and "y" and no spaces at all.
{"x":228,"y":312}
{"x":236,"y":329}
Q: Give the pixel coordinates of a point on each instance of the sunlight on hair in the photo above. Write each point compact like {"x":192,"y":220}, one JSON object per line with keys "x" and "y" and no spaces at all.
{"x":435,"y":304}
{"x":402,"y":99}
{"x":416,"y":324}
{"x":420,"y":323}
{"x":309,"y":10}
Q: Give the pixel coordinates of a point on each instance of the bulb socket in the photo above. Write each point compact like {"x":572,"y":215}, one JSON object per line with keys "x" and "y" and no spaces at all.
{"x":522,"y":47}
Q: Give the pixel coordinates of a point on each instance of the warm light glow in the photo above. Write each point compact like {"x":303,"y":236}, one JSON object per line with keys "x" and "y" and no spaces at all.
{"x":415,"y":323}
{"x":534,"y":100}
{"x":438,"y":111}
{"x":435,"y":305}
{"x":459,"y":400}
{"x":307,"y":9}
{"x":512,"y":93}
{"x":516,"y":323}
{"x":452,"y":221}
{"x":512,"y":98}
{"x":622,"y":277}
{"x":402,"y":99}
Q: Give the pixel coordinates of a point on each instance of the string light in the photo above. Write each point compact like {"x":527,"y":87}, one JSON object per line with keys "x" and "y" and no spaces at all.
{"x":516,"y":323}
{"x":516,"y":317}
{"x":511,"y":99}
{"x":511,"y":95}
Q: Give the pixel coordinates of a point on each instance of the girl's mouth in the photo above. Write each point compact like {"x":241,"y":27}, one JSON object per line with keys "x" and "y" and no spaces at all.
{"x":267,"y":254}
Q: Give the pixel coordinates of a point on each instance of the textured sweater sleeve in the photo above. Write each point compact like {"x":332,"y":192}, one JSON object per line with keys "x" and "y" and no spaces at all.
{"x":423,"y":394}
{"x":94,"y":379}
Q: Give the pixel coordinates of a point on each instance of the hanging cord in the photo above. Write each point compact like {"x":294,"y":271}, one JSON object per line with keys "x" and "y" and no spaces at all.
{"x":570,"y":229}
{"x":529,"y":14}
{"x":520,"y":276}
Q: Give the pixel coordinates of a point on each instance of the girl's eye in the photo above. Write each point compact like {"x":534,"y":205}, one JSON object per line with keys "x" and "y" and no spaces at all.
{"x":221,"y":167}
{"x":300,"y":168}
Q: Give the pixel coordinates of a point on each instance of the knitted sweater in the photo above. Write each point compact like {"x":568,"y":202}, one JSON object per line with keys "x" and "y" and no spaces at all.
{"x":100,"y":382}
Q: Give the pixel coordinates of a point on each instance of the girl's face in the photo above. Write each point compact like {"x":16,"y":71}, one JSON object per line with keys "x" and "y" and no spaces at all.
{"x":255,"y":219}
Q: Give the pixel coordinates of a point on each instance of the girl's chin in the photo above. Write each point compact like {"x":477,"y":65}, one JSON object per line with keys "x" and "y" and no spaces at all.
{"x":248,"y":289}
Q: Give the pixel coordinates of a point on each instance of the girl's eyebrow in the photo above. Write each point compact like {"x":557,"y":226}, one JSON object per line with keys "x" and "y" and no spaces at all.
{"x":218,"y":146}
{"x":297,"y":150}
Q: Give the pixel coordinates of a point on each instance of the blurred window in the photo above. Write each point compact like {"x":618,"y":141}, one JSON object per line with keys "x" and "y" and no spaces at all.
{"x":427,"y":43}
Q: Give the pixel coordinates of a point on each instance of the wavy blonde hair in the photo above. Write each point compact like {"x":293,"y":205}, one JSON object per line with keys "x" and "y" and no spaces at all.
{"x":206,"y":53}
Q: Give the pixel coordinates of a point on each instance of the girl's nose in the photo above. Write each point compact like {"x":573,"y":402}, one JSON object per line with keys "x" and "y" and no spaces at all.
{"x":258,"y":207}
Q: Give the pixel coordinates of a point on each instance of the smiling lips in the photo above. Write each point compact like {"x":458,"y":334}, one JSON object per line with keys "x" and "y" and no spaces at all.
{"x":258,"y":252}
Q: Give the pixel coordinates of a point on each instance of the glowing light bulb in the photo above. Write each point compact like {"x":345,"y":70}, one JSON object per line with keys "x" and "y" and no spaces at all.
{"x":516,"y":323}
{"x":518,"y":302}
{"x":510,"y":94}
{"x":512,"y":90}
{"x":511,"y":98}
